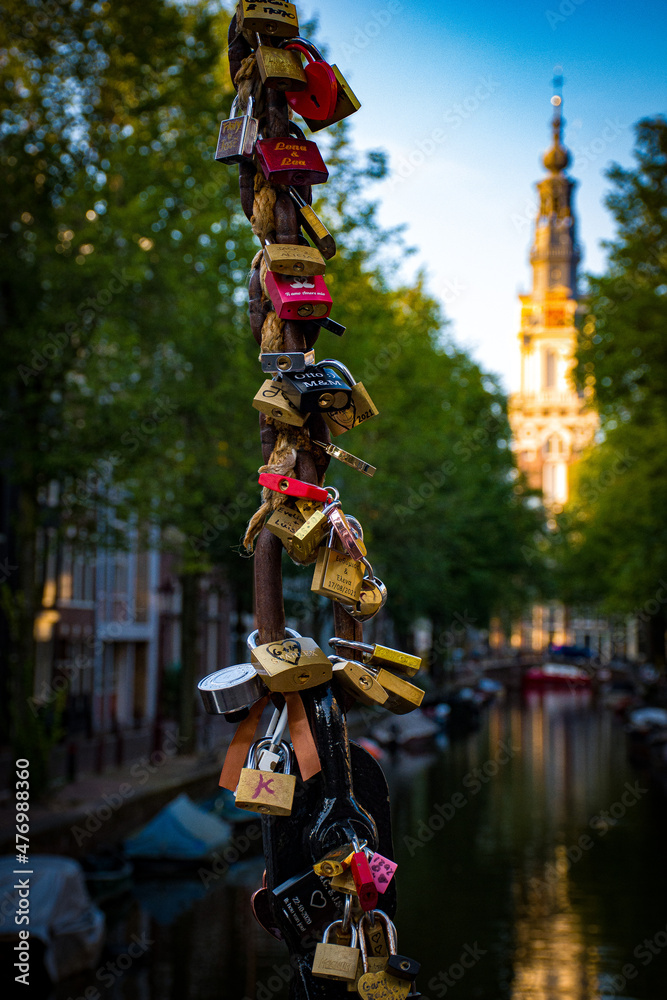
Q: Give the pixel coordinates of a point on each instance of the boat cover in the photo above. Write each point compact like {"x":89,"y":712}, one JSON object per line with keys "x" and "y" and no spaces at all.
{"x":182,"y":830}
{"x":61,"y":912}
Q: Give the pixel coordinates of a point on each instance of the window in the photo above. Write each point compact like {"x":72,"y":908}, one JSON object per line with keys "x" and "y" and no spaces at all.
{"x":549,"y":369}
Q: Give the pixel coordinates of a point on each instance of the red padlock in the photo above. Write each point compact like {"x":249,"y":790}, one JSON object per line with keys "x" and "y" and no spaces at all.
{"x":294,"y":488}
{"x":363,"y":881}
{"x":318,"y":100}
{"x":291,"y":160}
{"x":298,"y":297}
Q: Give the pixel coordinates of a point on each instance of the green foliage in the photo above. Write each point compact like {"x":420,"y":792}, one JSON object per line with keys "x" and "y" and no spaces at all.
{"x":613,"y":544}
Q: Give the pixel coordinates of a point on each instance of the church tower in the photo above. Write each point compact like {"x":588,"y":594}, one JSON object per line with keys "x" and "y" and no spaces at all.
{"x":550,"y":423}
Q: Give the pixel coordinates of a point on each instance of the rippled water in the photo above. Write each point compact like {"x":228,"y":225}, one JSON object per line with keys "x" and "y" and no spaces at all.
{"x":532,"y":866}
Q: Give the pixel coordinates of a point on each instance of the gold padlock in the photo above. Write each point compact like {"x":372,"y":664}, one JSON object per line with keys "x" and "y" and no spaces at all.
{"x":332,"y":863}
{"x":346,"y":104}
{"x":284,"y":522}
{"x":267,"y":792}
{"x":272,"y":401}
{"x":290,"y":258}
{"x":337,"y":575}
{"x":313,"y":226}
{"x":274,"y":17}
{"x":381,"y":656}
{"x":309,"y":535}
{"x":280,"y":69}
{"x":403,"y":697}
{"x":359,"y":682}
{"x":292,"y":664}
{"x":307,"y":507}
{"x":344,"y":882}
{"x":336,"y":961}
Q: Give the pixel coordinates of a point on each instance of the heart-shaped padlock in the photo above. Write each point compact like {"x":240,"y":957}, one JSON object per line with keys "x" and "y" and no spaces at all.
{"x":318,"y":100}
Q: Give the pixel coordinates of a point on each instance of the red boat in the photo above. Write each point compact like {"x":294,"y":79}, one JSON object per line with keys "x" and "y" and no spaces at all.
{"x":556,"y":675}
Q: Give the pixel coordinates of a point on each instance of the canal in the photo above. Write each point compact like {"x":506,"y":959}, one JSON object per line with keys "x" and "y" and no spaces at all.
{"x":532,"y":866}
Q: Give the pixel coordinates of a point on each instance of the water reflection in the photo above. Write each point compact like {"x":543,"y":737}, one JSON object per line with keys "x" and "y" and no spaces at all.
{"x":531,"y":867}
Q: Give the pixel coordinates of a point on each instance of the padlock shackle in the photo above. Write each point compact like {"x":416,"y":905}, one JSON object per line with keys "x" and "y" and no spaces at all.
{"x":364,"y":647}
{"x":251,"y":641}
{"x":283,"y":749}
{"x":303,"y":45}
{"x":341,"y":368}
{"x":392,"y":938}
{"x":339,"y":923}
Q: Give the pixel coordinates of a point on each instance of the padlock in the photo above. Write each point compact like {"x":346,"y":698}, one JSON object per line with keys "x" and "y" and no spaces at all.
{"x":344,"y":882}
{"x":383,"y":983}
{"x":308,"y":507}
{"x":279,"y":69}
{"x":337,"y":575}
{"x":291,"y":159}
{"x":400,"y":966}
{"x":292,"y":664}
{"x":284,"y":522}
{"x":363,"y":880}
{"x":375,"y":936}
{"x":268,"y":792}
{"x":403,"y":697}
{"x":290,"y":258}
{"x":273,"y":17}
{"x":361,"y":406}
{"x":370,"y":960}
{"x":316,"y":389}
{"x":238,"y":135}
{"x":231,"y":689}
{"x":313,"y":226}
{"x":332,"y":862}
{"x":358,"y":681}
{"x":372,"y":598}
{"x":272,"y":401}
{"x":285,"y":361}
{"x":335,"y":961}
{"x":383,"y":871}
{"x":298,"y":298}
{"x":291,"y":487}
{"x":381,"y":656}
{"x":346,"y":104}
{"x":350,"y":539}
{"x":346,"y":458}
{"x":308,"y":904}
{"x":309,"y":535}
{"x":318,"y":99}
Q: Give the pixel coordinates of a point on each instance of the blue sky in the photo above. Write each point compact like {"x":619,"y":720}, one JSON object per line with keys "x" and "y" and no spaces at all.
{"x":458,"y":95}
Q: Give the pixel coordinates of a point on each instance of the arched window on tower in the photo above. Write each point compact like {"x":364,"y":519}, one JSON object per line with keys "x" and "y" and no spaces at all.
{"x":549,"y":369}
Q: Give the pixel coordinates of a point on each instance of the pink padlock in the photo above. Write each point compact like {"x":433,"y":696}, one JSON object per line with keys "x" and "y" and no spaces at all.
{"x":294,"y":297}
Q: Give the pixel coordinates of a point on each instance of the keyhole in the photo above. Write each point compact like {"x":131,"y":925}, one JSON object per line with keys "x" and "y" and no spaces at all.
{"x":315,"y":100}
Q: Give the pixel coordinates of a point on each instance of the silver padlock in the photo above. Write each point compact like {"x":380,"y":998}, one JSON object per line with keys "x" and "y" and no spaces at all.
{"x":231,"y":689}
{"x":286,"y":361}
{"x":238,"y":135}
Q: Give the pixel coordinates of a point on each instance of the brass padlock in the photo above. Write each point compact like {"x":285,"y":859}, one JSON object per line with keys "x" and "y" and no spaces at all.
{"x":313,"y":226}
{"x":336,"y":575}
{"x":280,"y":69}
{"x":292,"y":664}
{"x":360,"y":408}
{"x":381,"y":656}
{"x":336,"y":961}
{"x":403,"y":697}
{"x":284,"y":522}
{"x":344,"y":882}
{"x":307,"y":507}
{"x":346,"y":104}
{"x":332,"y":863}
{"x":359,"y":682}
{"x":372,"y":598}
{"x":274,"y":17}
{"x":267,"y":792}
{"x":272,"y":401}
{"x":309,"y":535}
{"x":290,"y":258}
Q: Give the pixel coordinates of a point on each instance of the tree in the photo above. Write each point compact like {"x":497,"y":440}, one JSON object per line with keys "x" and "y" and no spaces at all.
{"x":614,"y":538}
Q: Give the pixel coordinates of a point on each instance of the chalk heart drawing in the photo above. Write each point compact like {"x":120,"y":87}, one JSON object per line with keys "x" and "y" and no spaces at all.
{"x":317,"y":899}
{"x":289,"y":650}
